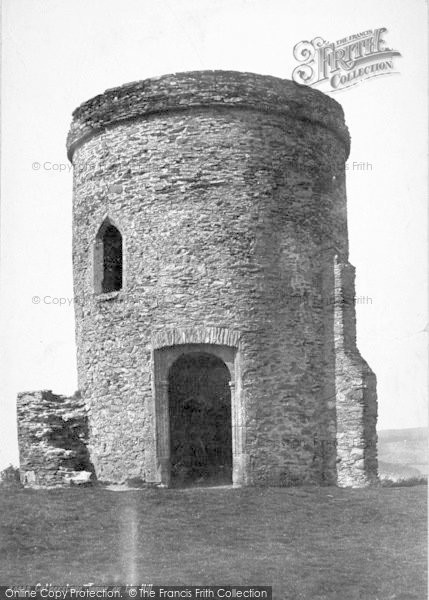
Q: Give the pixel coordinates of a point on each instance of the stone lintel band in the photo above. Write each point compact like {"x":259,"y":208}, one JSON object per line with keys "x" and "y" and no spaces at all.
{"x":195,"y":335}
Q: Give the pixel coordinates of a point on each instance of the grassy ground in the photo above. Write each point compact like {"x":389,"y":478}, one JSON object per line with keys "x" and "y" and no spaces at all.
{"x":308,"y":543}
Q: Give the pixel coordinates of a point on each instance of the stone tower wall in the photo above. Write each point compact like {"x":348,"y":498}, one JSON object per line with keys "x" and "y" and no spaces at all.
{"x":229,"y":192}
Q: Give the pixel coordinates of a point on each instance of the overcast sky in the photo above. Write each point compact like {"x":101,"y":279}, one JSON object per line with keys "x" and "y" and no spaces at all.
{"x":58,"y":54}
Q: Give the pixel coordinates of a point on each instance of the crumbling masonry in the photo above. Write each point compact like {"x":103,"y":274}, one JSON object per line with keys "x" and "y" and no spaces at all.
{"x":215,"y":316}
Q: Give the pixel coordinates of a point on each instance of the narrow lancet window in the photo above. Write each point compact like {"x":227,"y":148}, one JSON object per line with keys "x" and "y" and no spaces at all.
{"x":108,"y":259}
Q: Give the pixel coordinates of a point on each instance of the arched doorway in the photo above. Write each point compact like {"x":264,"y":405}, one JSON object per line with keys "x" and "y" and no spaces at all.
{"x":199,"y":404}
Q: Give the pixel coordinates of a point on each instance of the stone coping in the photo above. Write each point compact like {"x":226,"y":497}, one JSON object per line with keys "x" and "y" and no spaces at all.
{"x":205,"y":89}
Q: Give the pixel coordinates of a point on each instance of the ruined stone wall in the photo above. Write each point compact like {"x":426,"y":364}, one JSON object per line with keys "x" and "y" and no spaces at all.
{"x":229,"y":192}
{"x":53,"y":437}
{"x":356,"y":396}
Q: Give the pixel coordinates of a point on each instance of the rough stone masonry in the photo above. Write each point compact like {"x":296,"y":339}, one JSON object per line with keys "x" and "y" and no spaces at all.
{"x":210,"y":220}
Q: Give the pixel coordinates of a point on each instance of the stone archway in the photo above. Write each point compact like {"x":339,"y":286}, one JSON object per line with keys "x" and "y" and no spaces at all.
{"x":167,"y":348}
{"x":199,"y":397}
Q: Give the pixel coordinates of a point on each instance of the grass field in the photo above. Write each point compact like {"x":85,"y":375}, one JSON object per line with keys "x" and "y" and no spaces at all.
{"x":309,"y":543}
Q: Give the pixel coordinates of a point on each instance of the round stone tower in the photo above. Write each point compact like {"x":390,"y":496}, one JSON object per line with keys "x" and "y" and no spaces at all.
{"x":215,"y":316}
